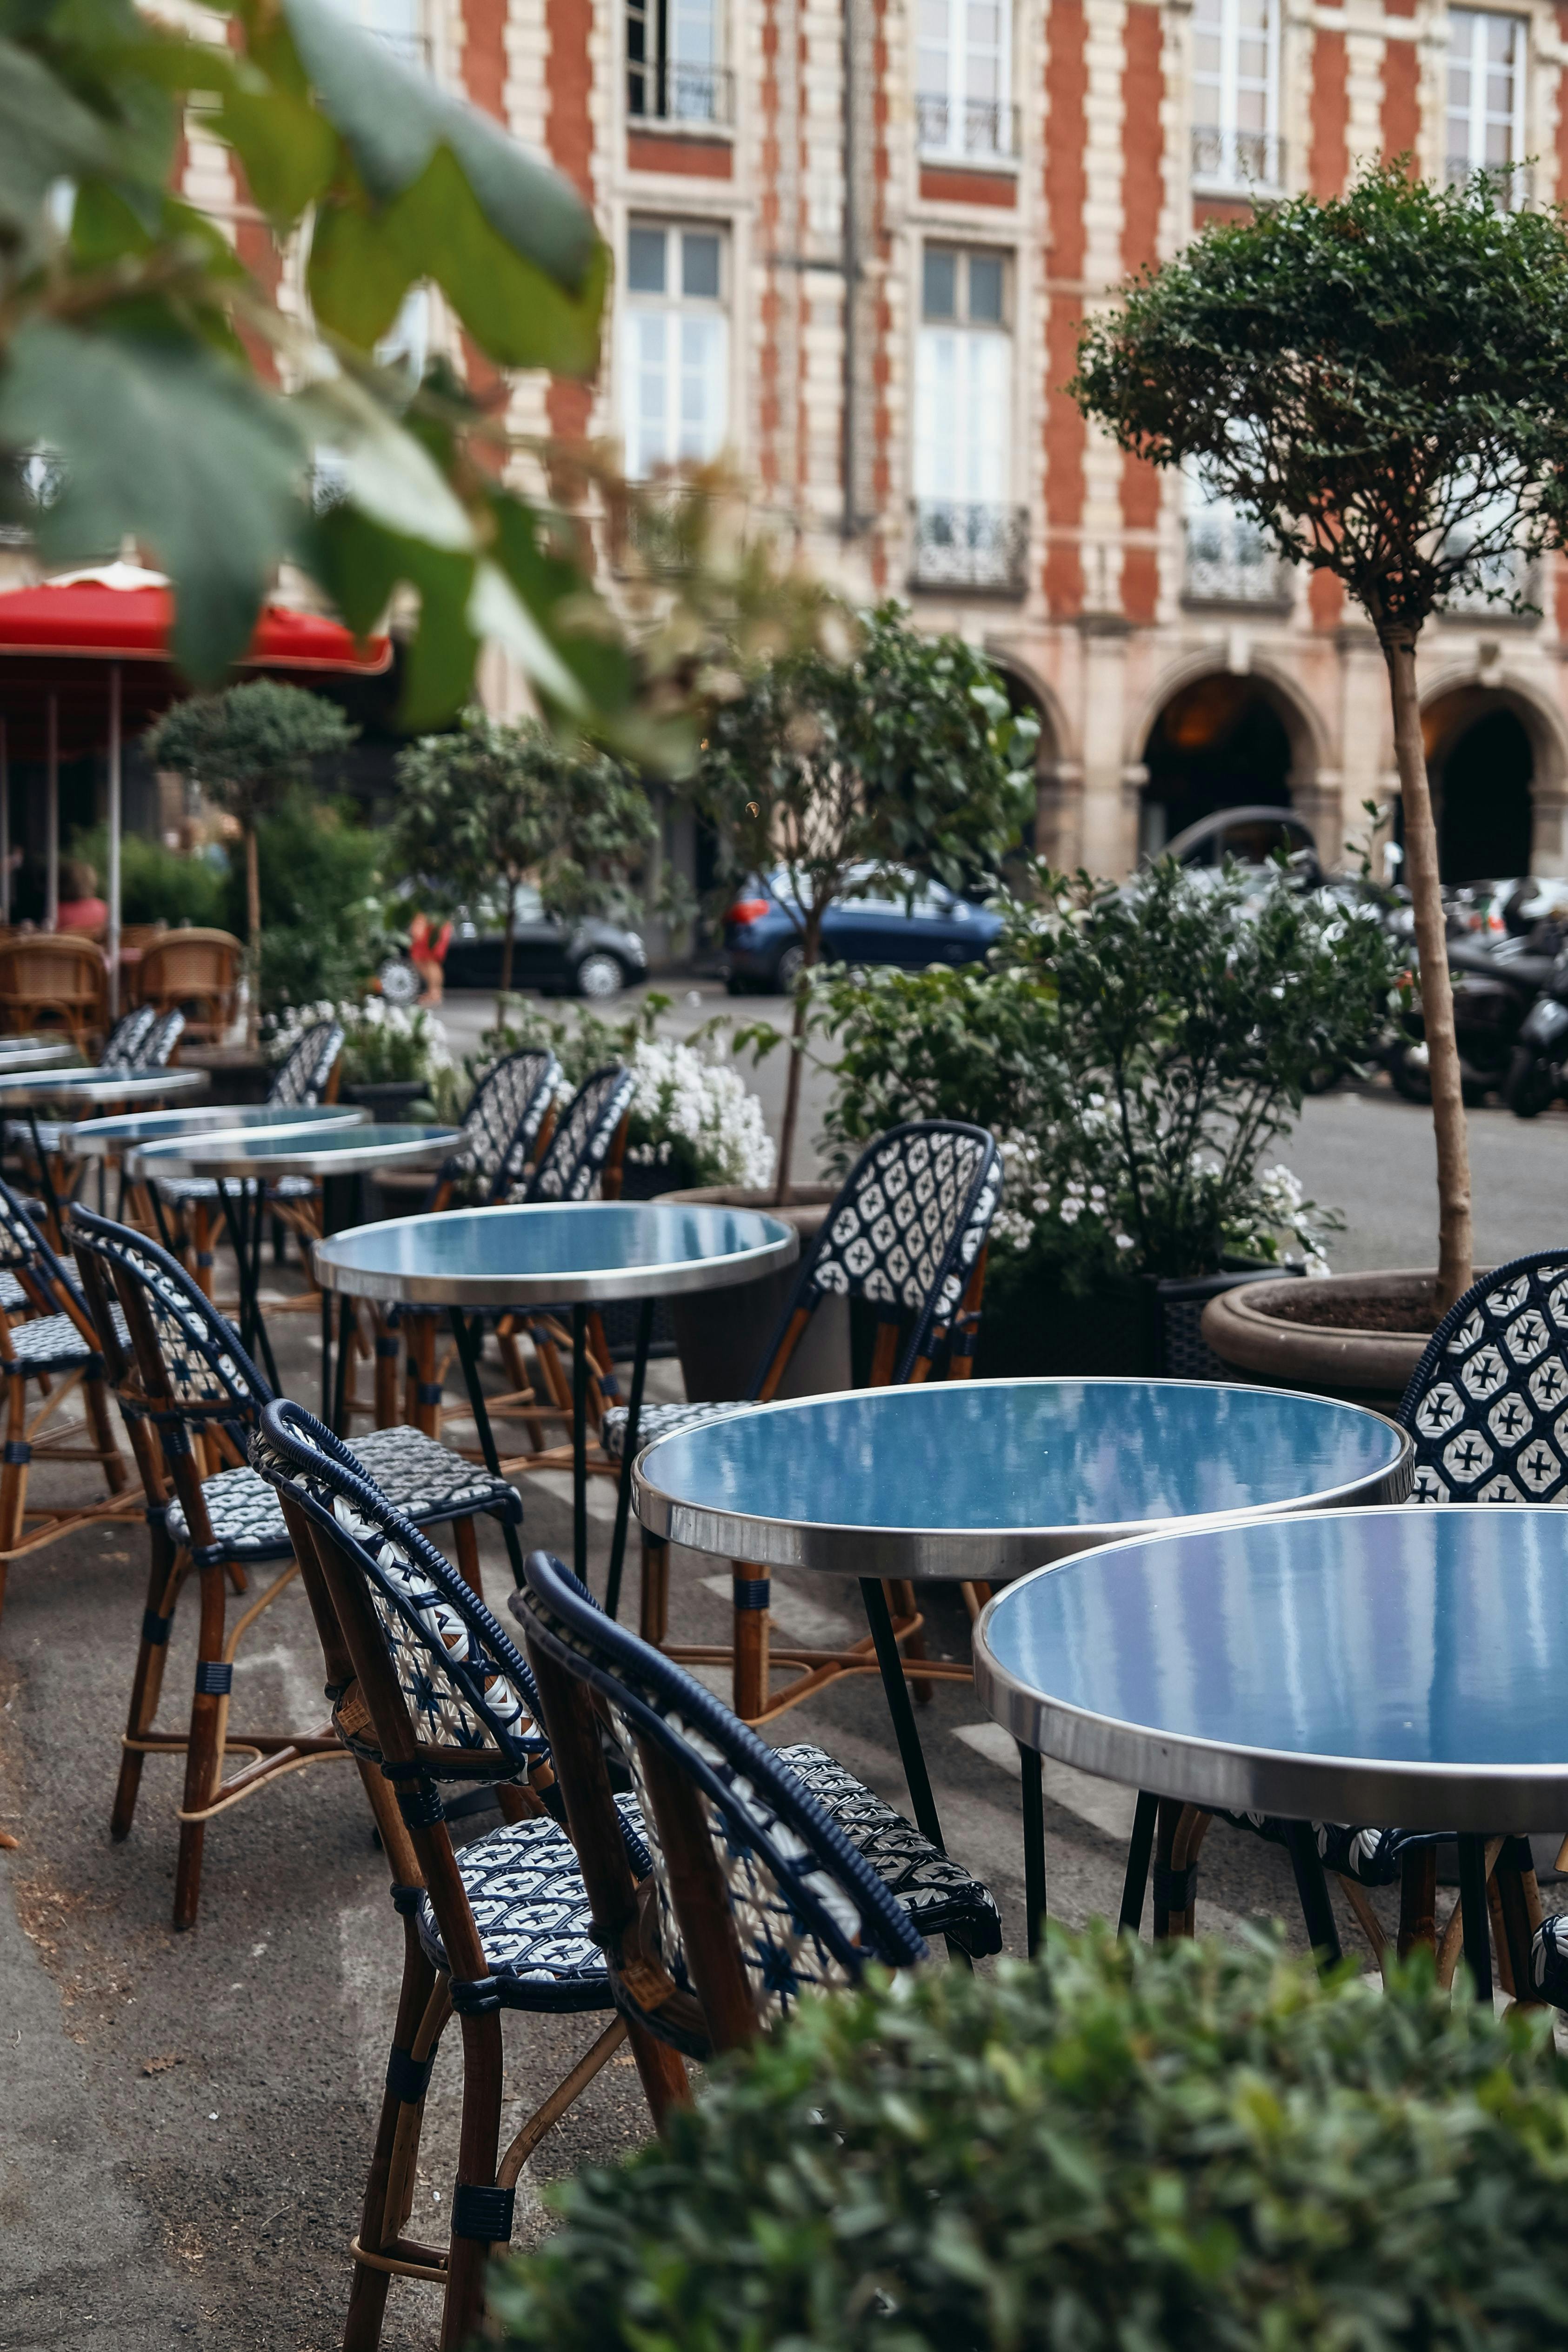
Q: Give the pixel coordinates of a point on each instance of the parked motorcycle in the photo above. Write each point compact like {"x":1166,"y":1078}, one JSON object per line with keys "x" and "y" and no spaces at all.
{"x":1495,"y":989}
{"x":1538,"y":1071}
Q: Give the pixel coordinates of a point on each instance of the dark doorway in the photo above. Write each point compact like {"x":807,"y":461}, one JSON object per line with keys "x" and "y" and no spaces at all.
{"x":1483,"y":801}
{"x":1219,"y":743}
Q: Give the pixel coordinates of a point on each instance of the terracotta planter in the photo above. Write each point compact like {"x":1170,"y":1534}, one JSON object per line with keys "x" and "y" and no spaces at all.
{"x":1281,"y":1334}
{"x":719,"y":1335}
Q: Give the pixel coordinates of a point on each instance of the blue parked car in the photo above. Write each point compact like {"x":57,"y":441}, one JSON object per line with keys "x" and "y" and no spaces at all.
{"x":762,"y":942}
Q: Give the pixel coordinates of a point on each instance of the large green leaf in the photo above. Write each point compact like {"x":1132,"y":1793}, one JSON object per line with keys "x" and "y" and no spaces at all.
{"x":289,"y":149}
{"x":167,"y":441}
{"x":388,"y":474}
{"x":46,"y":135}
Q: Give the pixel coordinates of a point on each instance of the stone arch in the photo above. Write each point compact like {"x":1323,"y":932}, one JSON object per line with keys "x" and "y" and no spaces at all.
{"x":1497,"y":757}
{"x":1215,"y":735}
{"x":1058,"y":778}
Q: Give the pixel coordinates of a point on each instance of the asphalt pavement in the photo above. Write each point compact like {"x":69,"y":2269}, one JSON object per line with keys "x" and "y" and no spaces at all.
{"x":185,"y":2119}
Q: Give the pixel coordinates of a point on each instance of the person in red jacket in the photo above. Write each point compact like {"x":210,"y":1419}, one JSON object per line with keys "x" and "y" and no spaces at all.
{"x":428,"y":953}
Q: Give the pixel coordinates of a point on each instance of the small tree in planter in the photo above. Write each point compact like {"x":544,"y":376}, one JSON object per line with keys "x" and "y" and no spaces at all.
{"x":852,"y":774}
{"x":250,"y":747}
{"x":1376,"y":380}
{"x":493,"y":804}
{"x":1179,"y":2148}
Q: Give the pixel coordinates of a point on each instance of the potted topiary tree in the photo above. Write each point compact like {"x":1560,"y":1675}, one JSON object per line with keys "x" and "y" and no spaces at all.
{"x":1178,"y":2148}
{"x":1376,"y":381}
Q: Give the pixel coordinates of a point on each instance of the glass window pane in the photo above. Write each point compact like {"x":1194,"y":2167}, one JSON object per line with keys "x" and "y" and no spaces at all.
{"x":985,"y":288}
{"x":941,"y":277}
{"x":1205,"y":56}
{"x":699,"y":267}
{"x":645,"y":260}
{"x":985,"y":25}
{"x":693,"y":33}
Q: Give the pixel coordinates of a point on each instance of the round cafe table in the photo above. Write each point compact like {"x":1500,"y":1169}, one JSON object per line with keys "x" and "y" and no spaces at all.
{"x":1391,"y":1668}
{"x":982,"y":1480}
{"x":242,"y":1165}
{"x":33,"y":1052}
{"x":471,"y":1262}
{"x":79,"y":1088}
{"x":106,"y":1139}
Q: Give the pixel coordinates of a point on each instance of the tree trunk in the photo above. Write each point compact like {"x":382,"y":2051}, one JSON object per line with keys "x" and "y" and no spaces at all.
{"x":253,"y":936}
{"x":505,"y":989}
{"x":1455,"y":1272}
{"x":809,"y":939}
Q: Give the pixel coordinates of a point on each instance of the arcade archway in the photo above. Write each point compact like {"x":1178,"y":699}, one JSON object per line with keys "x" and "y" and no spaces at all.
{"x":1219,"y":743}
{"x":1481,"y":764}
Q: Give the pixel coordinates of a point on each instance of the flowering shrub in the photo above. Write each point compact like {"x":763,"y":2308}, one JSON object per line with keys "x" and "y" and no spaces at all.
{"x":382,"y":1044}
{"x":693,"y":1117}
{"x":1135,"y":1050}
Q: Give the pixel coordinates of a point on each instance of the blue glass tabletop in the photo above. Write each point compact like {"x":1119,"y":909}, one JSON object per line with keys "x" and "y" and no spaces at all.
{"x":1381,"y":1666}
{"x":566,"y":1251}
{"x":988,"y":1478}
{"x":295,"y":1151}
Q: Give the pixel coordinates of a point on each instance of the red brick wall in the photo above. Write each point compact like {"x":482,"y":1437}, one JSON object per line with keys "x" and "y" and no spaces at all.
{"x":1066,"y":86}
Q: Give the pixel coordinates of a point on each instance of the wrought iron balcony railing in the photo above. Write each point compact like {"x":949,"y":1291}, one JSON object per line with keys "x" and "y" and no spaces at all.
{"x":678,"y":93}
{"x":1240,"y":162}
{"x":978,"y":131}
{"x":1230,"y":561}
{"x":957,"y":545}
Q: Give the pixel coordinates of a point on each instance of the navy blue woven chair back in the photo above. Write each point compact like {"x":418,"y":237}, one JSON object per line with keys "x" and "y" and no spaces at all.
{"x":300,"y":1078}
{"x":156,"y":1048}
{"x":208,"y":1374}
{"x":26,"y":1252}
{"x":471,"y":1697}
{"x":905,"y":1232}
{"x":502,"y":1124}
{"x":583,"y":1134}
{"x":126,"y":1038}
{"x":1487,"y":1403}
{"x":809,"y":1911}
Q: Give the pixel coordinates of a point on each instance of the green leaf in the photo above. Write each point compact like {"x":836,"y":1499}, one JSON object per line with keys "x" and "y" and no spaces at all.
{"x":46,"y":135}
{"x":388,"y":472}
{"x":358,"y":272}
{"x":440,"y":660}
{"x":288,"y":148}
{"x":167,"y":441}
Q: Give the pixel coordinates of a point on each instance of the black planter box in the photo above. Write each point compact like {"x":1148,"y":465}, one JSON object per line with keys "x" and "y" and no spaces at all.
{"x":1132,"y":1325}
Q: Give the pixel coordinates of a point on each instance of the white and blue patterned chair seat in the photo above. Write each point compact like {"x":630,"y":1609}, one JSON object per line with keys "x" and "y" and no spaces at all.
{"x":423,"y":1479}
{"x":14,"y":1300}
{"x":580,"y":1146}
{"x":52,"y":1343}
{"x":1372,"y":1857}
{"x":821,"y":1876}
{"x":530,"y":1904}
{"x":909,"y":1223}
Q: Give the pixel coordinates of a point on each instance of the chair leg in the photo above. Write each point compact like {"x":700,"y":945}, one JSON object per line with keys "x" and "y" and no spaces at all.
{"x":465,"y":1544}
{"x":902,"y":1602}
{"x":95,"y":1397}
{"x":397,"y":2138}
{"x":163,"y":1579}
{"x":662,"y":2073}
{"x":479,"y":2145}
{"x":202,"y":1249}
{"x":204,"y":1757}
{"x":750,"y":1672}
{"x":14,"y":1470}
{"x":654,"y":1614}
{"x":388,"y":1347}
{"x":1418,"y":1900}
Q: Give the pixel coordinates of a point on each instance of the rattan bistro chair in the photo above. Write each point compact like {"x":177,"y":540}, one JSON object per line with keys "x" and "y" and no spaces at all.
{"x":1487,"y":1407}
{"x":907,"y":1234}
{"x":192,"y":1397}
{"x":57,"y":1349}
{"x":776,"y":1873}
{"x":430,"y":1693}
{"x":195,"y":969}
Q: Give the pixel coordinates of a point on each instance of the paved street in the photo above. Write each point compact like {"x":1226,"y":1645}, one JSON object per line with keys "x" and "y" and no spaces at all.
{"x":185,"y":2118}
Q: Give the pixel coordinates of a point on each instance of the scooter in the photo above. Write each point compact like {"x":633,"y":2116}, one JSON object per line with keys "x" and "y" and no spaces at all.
{"x":1538,"y":1072}
{"x":1495,"y":989}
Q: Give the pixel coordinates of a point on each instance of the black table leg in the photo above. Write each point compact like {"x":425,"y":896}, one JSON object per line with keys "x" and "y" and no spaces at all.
{"x":327,"y":1406}
{"x":468,"y":1356}
{"x":103,"y":1185}
{"x":341,"y":1377}
{"x":50,"y":1196}
{"x":163,"y":1234}
{"x":1034,"y":1765}
{"x":1478,"y":1916}
{"x":1322,"y":1930}
{"x":916,"y":1777}
{"x":580,"y":1443}
{"x":253,"y":1333}
{"x":1135,"y":1885}
{"x":628,"y":1454}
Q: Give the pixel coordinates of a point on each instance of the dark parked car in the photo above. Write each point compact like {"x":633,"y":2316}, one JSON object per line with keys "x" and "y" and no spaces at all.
{"x":1253,"y":836}
{"x":761,"y":941}
{"x":592,"y":957}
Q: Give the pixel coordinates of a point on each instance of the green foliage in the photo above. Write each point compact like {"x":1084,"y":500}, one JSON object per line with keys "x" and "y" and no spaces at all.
{"x":250,"y":746}
{"x":1135,"y":1050}
{"x":1376,"y":378}
{"x":160,"y":885}
{"x":1183,"y":2147}
{"x":903,"y":754}
{"x":323,"y":933}
{"x":483,"y":808}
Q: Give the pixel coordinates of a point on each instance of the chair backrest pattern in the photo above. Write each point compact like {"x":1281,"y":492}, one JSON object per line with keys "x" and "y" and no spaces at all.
{"x":467,"y":1685}
{"x":1487,"y":1403}
{"x":809,"y":1912}
{"x":153,"y":1050}
{"x":502,"y":1121}
{"x":24,"y":1252}
{"x":208,"y":1373}
{"x":125,"y":1039}
{"x":580,"y":1143}
{"x":301,"y":1076}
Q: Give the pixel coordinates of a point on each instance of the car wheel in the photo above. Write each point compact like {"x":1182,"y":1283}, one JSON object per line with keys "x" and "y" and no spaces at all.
{"x":788,"y":969}
{"x":599,"y":976}
{"x":400,"y":984}
{"x":1532,"y":1084}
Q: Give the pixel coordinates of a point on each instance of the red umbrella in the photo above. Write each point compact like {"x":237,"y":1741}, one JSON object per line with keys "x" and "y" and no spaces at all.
{"x":65,"y":685}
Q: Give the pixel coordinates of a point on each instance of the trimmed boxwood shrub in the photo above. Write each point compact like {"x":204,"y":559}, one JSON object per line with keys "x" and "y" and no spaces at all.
{"x":1184,"y":2149}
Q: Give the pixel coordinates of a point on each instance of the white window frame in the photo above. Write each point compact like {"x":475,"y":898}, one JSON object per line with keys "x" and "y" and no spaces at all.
{"x":1458,"y":164}
{"x":675,"y":309}
{"x":680,"y":86}
{"x":942,"y":113}
{"x":1219,"y":145}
